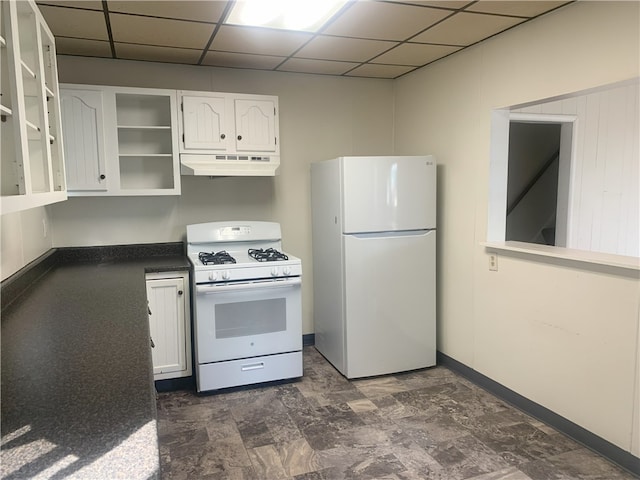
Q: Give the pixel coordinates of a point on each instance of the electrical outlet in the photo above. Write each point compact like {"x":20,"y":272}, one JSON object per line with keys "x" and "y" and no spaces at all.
{"x":493,"y":262}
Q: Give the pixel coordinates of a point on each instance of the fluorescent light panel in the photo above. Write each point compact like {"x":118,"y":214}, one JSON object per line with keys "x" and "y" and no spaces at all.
{"x":299,"y":15}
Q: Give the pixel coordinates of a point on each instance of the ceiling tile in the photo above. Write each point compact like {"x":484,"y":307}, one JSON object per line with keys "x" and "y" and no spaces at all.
{"x":523,"y":8}
{"x":316,"y":66}
{"x":384,"y":21}
{"x":86,"y":23}
{"x":416,"y":54}
{"x":159,"y":31}
{"x":184,"y":9}
{"x":466,"y":28}
{"x":241,"y":60}
{"x":151,"y":53}
{"x":379,"y":71}
{"x":91,"y":5}
{"x":341,"y":48}
{"x":82,"y":47}
{"x":260,"y":41}
{"x":451,"y":4}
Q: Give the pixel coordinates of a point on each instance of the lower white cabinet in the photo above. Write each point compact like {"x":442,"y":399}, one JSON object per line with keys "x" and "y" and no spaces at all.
{"x":170,"y":324}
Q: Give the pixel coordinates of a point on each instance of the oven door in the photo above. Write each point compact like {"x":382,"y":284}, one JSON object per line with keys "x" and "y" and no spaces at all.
{"x":245,"y":320}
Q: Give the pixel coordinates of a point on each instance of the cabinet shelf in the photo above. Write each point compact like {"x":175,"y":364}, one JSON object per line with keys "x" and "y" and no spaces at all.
{"x":3,"y":42}
{"x":49,"y":92}
{"x":27,"y":71}
{"x":144,"y":127}
{"x":145,"y":155}
{"x":5,"y":111}
{"x":33,"y":131}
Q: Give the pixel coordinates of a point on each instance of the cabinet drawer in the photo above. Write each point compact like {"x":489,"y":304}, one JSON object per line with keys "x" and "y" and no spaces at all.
{"x":212,"y":376}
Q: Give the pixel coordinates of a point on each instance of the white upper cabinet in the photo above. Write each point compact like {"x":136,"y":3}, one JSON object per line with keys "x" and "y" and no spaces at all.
{"x":136,"y":141}
{"x":122,"y":141}
{"x":32,"y":161}
{"x":229,"y":134}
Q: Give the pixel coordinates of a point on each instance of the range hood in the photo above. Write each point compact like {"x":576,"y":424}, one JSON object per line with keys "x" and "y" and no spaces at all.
{"x":229,"y":165}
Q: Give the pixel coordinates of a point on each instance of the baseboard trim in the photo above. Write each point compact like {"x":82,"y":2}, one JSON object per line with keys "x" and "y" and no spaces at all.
{"x":590,"y":440}
{"x":172,"y":384}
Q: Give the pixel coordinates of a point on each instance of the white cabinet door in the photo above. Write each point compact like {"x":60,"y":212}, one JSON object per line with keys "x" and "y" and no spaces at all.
{"x":169,"y":325}
{"x":82,"y":121}
{"x":205,"y":123}
{"x":255,"y":125}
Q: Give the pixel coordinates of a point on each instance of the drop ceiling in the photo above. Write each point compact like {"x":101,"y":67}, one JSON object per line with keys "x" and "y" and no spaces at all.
{"x":366,"y":38}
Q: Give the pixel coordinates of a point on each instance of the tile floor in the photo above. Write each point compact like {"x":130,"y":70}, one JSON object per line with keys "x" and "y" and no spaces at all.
{"x":428,"y":424}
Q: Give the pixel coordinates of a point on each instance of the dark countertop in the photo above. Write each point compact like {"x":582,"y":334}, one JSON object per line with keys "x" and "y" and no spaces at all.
{"x":77,"y":386}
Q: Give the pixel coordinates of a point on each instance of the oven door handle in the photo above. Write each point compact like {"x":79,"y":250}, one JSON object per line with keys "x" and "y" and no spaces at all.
{"x":223,"y":288}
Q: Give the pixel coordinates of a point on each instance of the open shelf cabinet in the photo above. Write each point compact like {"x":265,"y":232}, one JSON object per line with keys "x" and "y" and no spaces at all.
{"x":132,"y":131}
{"x":31,"y":161}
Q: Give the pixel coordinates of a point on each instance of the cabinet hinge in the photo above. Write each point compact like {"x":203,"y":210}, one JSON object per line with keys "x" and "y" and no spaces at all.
{"x":183,"y":137}
{"x":182,"y":107}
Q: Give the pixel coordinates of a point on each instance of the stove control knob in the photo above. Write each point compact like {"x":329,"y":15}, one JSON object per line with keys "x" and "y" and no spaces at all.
{"x":225,"y":275}
{"x":286,"y":270}
{"x":213,"y":276}
{"x":274,"y":272}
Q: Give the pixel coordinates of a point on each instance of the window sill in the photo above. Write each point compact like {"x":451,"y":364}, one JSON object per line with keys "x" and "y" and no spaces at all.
{"x":566,"y":254}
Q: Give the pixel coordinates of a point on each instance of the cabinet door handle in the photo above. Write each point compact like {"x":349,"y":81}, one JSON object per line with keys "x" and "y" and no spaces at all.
{"x":239,"y":137}
{"x":103,"y":176}
{"x":223,"y":136}
{"x":153,"y":345}
{"x":180,"y":292}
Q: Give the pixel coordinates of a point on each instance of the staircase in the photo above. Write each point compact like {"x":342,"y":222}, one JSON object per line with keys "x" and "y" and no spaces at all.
{"x":531,"y":216}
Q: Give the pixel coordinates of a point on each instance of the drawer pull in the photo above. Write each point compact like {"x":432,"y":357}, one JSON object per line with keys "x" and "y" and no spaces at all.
{"x":253,"y":366}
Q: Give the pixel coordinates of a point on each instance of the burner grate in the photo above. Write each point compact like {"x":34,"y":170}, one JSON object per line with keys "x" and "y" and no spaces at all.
{"x":219,"y":258}
{"x":268,"y":255}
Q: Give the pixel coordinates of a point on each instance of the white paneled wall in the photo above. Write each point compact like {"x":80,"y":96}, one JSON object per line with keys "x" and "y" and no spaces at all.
{"x":604,"y":206}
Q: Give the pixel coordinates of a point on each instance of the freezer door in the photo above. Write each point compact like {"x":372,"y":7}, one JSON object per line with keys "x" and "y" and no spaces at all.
{"x":390,"y":303}
{"x":383,"y":194}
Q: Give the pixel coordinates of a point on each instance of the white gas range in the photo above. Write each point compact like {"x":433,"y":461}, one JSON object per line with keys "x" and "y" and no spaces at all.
{"x":247,"y":304}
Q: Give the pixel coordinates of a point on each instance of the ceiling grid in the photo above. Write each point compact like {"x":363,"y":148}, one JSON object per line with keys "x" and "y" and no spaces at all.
{"x":366,"y":38}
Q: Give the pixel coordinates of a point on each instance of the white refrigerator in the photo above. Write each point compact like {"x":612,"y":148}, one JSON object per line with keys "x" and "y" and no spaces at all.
{"x":374,"y":263}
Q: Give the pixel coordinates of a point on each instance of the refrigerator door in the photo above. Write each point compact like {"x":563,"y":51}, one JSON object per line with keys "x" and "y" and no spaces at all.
{"x":382,"y":194}
{"x":390,"y":303}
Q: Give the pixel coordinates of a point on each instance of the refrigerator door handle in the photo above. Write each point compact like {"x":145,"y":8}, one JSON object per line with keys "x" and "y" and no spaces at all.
{"x":404,"y":233}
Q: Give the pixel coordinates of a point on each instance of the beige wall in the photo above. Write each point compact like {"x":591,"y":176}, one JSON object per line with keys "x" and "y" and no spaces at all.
{"x":320,"y":117}
{"x":24,"y":236}
{"x":562,"y":334}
